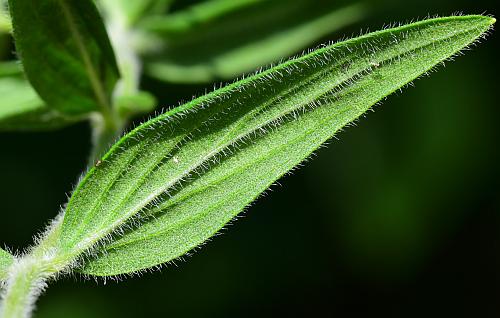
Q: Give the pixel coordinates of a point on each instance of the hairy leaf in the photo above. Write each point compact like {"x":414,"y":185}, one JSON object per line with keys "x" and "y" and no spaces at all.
{"x":65,"y":52}
{"x":10,"y":68}
{"x":238,"y":36}
{"x":20,"y":106}
{"x":173,"y":182}
{"x":5,"y":261}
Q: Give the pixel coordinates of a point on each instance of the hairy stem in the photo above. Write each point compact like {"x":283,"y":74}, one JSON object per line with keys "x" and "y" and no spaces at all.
{"x":25,"y":283}
{"x":109,"y":125}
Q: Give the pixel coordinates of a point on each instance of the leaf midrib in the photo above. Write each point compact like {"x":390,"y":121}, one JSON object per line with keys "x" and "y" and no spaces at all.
{"x":95,"y":82}
{"x":241,"y":121}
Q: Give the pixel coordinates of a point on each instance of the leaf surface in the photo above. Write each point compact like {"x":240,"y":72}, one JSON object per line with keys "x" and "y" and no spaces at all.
{"x":238,"y":36}
{"x":65,"y":52}
{"x":173,"y":182}
{"x":5,"y":261}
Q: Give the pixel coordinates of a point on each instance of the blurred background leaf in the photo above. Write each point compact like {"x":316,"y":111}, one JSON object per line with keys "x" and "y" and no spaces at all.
{"x":63,"y":44}
{"x":20,"y":107}
{"x":5,"y":23}
{"x":131,"y":11}
{"x":238,"y":36}
{"x":414,"y":230}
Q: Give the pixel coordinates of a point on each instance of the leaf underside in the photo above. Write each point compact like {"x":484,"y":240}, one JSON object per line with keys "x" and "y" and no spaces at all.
{"x":5,"y":261}
{"x":65,"y":52}
{"x":176,"y":180}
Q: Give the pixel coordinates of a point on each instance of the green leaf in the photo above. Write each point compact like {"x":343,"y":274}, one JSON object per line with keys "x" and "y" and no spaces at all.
{"x":5,"y":23}
{"x":176,"y":180}
{"x":238,"y":36}
{"x":131,"y":11}
{"x":20,"y":107}
{"x":5,"y":261}
{"x":196,"y":15}
{"x":65,"y":52}
{"x":10,"y":68}
{"x":138,"y":103}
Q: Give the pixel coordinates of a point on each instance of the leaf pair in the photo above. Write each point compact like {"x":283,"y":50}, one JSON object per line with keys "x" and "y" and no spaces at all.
{"x":173,"y":182}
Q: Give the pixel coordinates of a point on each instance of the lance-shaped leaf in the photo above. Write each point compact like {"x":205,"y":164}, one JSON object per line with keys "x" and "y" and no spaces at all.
{"x":5,"y":261}
{"x":20,"y":107}
{"x":238,"y":36}
{"x":65,"y":52}
{"x":173,"y":182}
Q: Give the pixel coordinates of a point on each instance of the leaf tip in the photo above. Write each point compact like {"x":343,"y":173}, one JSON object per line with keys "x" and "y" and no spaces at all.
{"x":489,"y":20}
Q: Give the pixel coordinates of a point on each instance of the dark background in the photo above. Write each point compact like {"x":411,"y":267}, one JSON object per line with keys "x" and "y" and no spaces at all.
{"x":397,"y":218}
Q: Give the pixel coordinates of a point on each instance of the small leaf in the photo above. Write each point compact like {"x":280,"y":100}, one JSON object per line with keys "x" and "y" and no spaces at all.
{"x":65,"y":52}
{"x":138,"y":103}
{"x":238,"y":36}
{"x":173,"y":182}
{"x":20,"y":107}
{"x":5,"y":261}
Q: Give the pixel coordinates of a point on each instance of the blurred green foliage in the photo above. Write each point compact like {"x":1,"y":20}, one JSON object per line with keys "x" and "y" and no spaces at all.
{"x":238,"y":38}
{"x":398,"y":218}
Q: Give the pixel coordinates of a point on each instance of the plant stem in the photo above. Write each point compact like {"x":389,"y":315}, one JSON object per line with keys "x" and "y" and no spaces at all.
{"x":26,"y":281}
{"x":108,"y":126}
{"x":105,"y":130}
{"x":27,"y":276}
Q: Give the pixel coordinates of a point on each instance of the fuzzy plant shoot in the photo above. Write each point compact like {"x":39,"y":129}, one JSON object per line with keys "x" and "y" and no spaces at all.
{"x":167,"y":186}
{"x":5,"y":261}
